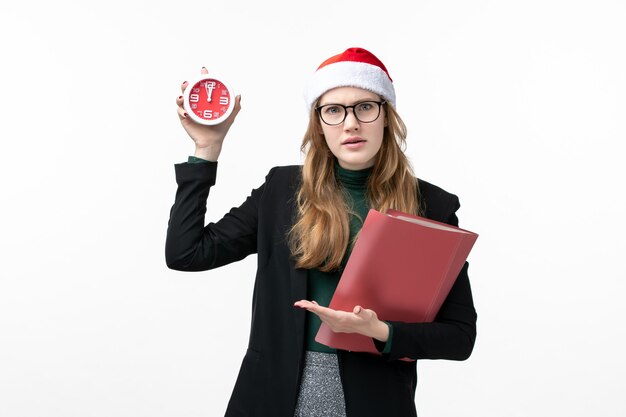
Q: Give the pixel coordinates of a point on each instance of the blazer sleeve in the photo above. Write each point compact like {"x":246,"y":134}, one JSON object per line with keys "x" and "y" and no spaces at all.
{"x":192,"y":246}
{"x":453,"y":332}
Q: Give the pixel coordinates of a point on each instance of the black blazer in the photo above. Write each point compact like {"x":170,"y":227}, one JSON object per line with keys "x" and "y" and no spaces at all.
{"x":268,"y":381}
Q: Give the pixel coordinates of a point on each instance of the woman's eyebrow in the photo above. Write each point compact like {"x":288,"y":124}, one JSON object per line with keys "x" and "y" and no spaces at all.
{"x":361,"y":100}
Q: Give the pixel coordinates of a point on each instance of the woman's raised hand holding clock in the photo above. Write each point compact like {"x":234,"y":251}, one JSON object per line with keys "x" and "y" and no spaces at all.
{"x":208,"y":137}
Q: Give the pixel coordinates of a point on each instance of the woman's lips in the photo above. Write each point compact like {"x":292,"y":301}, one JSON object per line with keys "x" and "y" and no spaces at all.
{"x":354,"y":143}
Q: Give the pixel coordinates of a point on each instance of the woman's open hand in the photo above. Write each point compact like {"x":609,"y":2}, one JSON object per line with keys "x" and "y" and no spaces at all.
{"x":361,"y":320}
{"x":208,"y":139}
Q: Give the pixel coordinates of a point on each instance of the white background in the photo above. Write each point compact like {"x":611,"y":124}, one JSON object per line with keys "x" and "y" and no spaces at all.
{"x":515,"y":106}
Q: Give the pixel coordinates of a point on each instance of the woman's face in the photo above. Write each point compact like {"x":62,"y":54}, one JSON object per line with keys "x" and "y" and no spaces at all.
{"x":354,"y":143}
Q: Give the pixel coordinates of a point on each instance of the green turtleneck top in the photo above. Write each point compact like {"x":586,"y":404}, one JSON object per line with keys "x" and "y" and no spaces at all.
{"x":321,"y":285}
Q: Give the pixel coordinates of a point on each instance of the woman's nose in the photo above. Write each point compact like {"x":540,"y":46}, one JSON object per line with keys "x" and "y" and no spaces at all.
{"x":351,"y":122}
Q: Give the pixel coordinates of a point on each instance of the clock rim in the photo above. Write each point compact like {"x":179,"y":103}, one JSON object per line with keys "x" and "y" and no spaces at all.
{"x":191,"y":113}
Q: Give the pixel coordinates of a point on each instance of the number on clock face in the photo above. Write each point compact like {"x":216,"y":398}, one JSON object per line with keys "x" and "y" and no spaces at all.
{"x":211,"y":97}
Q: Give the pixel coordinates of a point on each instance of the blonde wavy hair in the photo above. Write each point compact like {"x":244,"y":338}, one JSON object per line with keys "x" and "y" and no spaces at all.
{"x":321,"y":233}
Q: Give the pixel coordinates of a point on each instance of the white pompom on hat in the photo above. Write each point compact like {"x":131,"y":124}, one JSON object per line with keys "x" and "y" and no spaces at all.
{"x":355,"y":67}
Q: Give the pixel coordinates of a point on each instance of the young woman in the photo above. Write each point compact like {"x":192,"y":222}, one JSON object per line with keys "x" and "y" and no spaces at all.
{"x":302,"y":223}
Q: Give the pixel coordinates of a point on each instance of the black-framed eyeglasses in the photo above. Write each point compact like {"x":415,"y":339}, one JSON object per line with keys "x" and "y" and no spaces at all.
{"x":364,"y":111}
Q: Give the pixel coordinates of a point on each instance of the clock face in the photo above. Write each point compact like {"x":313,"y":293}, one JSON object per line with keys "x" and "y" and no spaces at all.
{"x":209,"y":101}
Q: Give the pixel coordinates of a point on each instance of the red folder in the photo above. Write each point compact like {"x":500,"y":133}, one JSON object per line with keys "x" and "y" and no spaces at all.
{"x":402,"y":266}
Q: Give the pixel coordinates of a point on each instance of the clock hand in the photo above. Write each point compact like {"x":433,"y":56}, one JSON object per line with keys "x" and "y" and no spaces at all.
{"x":209,"y":86}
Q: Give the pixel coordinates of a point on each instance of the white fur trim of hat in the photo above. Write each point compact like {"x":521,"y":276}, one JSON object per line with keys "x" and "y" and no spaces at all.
{"x":355,"y":67}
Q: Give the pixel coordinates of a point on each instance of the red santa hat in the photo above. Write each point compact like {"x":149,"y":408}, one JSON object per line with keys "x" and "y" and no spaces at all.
{"x":355,"y":67}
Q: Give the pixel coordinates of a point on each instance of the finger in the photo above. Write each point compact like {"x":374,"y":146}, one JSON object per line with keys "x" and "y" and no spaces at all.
{"x":314,"y":307}
{"x":204,"y":71}
{"x":357,"y":309}
{"x":326,"y":313}
{"x":182,"y":114}
{"x":179,"y":101}
{"x":183,"y":86}
{"x":303,"y":304}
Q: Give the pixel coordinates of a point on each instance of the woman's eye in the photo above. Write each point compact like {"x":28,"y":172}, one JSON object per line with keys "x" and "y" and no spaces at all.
{"x":365,"y":106}
{"x":332,"y":110}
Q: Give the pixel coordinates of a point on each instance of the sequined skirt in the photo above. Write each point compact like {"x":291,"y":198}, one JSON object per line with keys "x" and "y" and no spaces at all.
{"x":321,"y":393}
